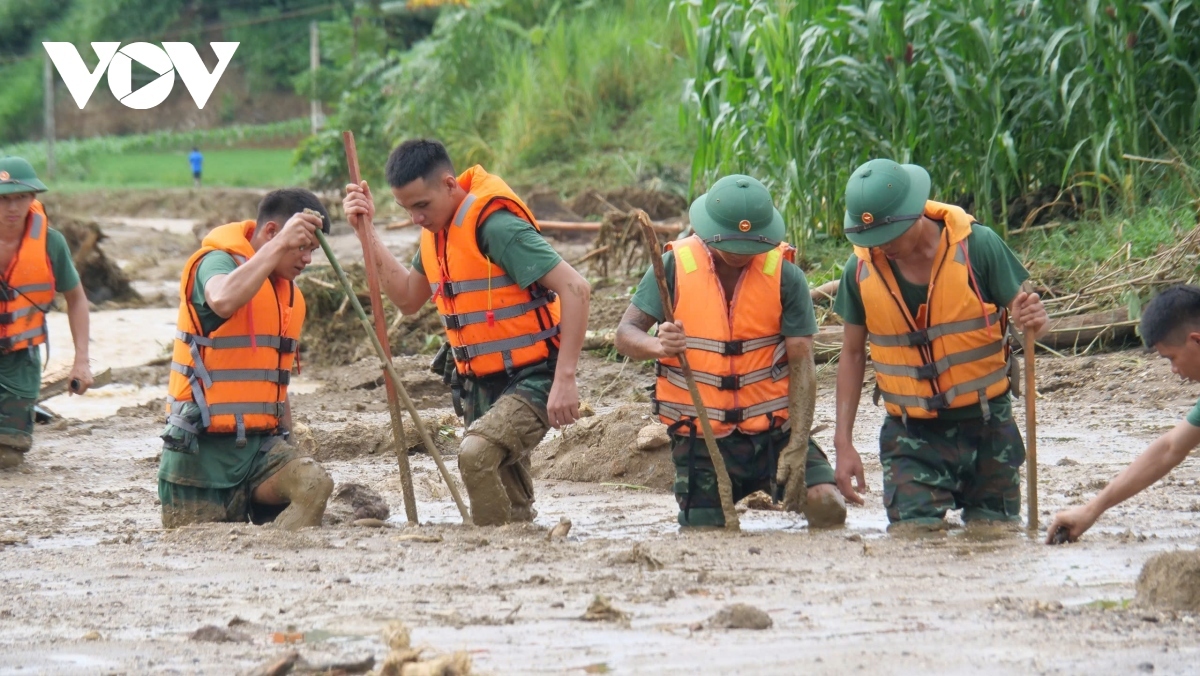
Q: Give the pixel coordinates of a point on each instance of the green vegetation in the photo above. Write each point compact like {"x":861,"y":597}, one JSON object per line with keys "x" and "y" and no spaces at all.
{"x":243,"y":167}
{"x":577,"y":93}
{"x":1003,"y":100}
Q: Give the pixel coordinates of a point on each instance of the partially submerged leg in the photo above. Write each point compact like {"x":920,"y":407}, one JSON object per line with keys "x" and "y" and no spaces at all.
{"x":494,"y":461}
{"x":304,"y":486}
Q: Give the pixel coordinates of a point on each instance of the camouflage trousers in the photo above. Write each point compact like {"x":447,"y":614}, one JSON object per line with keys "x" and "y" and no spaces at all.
{"x":506,"y":418}
{"x":16,"y":428}
{"x":751,"y":460}
{"x":932,"y":466}
{"x":183,"y":504}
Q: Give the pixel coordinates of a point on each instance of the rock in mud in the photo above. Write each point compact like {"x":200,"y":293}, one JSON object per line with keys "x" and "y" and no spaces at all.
{"x":302,"y":438}
{"x":758,"y":500}
{"x":404,"y":660}
{"x":653,"y":437}
{"x":560,"y":529}
{"x":602,"y":610}
{"x":1171,"y":581}
{"x":214,"y":634}
{"x":354,"y":502}
{"x":639,"y":555}
{"x":604,"y":448}
{"x":740,"y":616}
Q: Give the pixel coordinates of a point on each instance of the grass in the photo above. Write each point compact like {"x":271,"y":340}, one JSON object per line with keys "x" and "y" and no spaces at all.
{"x":236,"y":167}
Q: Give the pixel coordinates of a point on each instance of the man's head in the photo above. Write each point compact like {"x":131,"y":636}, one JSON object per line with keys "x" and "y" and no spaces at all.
{"x":736,"y":219}
{"x":273,"y":212}
{"x":19,"y":185}
{"x":1171,"y":326}
{"x":883,"y":200}
{"x":423,"y":181}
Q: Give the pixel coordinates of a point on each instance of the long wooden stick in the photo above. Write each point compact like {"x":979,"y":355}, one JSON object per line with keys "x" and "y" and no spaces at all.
{"x":724,"y":485}
{"x":390,"y":372}
{"x":368,"y":246}
{"x":1031,"y":481}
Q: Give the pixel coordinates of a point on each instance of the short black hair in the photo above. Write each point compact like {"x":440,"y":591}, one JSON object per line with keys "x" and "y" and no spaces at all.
{"x":417,"y":158}
{"x":1169,"y":314}
{"x":280,"y":205}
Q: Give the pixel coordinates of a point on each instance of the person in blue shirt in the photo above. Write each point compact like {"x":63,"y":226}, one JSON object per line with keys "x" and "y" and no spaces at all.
{"x":197,"y":161}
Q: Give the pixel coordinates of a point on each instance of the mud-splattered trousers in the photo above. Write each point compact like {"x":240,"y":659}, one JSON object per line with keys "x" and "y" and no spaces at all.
{"x":506,"y":418}
{"x":751,"y":460}
{"x":932,"y":466}
{"x":16,"y":427}
{"x":185,"y":503}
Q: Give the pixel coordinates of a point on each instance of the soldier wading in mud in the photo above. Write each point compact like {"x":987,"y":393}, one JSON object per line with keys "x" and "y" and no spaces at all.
{"x":745,"y":320}
{"x":932,"y":291}
{"x":36,"y":264}
{"x":225,"y":452}
{"x":1171,"y":326}
{"x":514,"y":312}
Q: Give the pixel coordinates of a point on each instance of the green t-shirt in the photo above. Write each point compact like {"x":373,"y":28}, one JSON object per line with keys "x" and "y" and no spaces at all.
{"x":21,"y":371}
{"x":514,"y":245}
{"x":1193,"y":416}
{"x":220,"y":463}
{"x":798,"y":317}
{"x":997,"y":270}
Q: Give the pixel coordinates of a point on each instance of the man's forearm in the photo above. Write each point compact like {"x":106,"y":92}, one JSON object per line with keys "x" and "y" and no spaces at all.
{"x":79,"y":321}
{"x":576,"y":302}
{"x":238,"y":287}
{"x":393,"y":276}
{"x":632,"y":341}
{"x":802,"y":396}
{"x":852,"y":367}
{"x":1154,"y":463}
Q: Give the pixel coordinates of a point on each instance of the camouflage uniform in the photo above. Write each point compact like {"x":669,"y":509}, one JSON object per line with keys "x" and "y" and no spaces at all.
{"x":16,"y":427}
{"x":751,"y":461}
{"x":932,"y":466}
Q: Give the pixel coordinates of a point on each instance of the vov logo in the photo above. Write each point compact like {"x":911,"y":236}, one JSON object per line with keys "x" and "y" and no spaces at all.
{"x":167,"y":60}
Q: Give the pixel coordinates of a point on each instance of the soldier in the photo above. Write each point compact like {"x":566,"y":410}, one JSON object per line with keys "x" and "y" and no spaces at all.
{"x":514,"y":312}
{"x":744,"y":318}
{"x":1171,"y":326}
{"x":933,"y":291}
{"x":225,"y":452}
{"x":37,"y":263}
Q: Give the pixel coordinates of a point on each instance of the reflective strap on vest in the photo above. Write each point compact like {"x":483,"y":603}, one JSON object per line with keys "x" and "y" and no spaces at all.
{"x":943,"y":399}
{"x":736,"y":415}
{"x":452,"y":289}
{"x":675,"y":376}
{"x":468,"y":352}
{"x":468,"y":318}
{"x":278,"y":376}
{"x":927,"y":336}
{"x":7,"y":342}
{"x":250,"y":408}
{"x":13,"y":292}
{"x":284,"y":345}
{"x":182,"y":423}
{"x":932,"y":371}
{"x":461,"y":215}
{"x":733,"y":347}
{"x":35,"y":230}
{"x":10,"y":317}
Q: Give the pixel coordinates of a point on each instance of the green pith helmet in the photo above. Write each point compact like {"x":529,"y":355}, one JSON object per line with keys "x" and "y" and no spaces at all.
{"x":17,"y":175}
{"x":736,"y":215}
{"x":883,"y":200}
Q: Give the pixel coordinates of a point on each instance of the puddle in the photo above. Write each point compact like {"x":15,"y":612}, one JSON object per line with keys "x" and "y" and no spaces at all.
{"x":103,"y":402}
{"x":119,"y":338}
{"x":174,"y":226}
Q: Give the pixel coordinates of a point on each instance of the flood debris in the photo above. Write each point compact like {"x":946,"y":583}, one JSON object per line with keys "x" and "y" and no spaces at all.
{"x":602,"y":610}
{"x":758,"y":500}
{"x":604,"y":448}
{"x":213,"y":634}
{"x":560,"y":530}
{"x":1171,"y":581}
{"x":639,"y":555}
{"x":404,"y":660}
{"x":740,"y":616}
{"x":353,"y":502}
{"x":102,"y":279}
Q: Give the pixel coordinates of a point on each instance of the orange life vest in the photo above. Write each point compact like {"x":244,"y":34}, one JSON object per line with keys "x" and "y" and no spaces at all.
{"x":954,"y":353}
{"x":237,"y":375}
{"x":735,"y":349}
{"x":28,"y":287}
{"x":493,"y":325}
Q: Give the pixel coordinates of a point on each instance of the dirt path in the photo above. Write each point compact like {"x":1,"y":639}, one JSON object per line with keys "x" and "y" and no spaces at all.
{"x":90,"y":557}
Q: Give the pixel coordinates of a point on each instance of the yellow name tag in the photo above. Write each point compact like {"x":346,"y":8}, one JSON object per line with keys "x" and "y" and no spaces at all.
{"x":686,"y":259}
{"x":771,"y":263}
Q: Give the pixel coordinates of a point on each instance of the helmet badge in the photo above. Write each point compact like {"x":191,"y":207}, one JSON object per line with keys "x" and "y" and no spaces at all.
{"x":867,"y":218}
{"x":744,"y":226}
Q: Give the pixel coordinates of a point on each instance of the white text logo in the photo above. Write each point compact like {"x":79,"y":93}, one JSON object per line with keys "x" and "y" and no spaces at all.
{"x":172,"y":57}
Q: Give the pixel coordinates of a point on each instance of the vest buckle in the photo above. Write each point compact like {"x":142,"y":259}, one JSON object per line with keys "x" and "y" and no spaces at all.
{"x":451,"y":322}
{"x":734,"y":347}
{"x":730,"y":382}
{"x":735,"y":415}
{"x":447,"y":289}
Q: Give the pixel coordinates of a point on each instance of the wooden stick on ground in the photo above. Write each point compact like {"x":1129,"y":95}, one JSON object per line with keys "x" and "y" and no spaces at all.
{"x":1031,"y":481}
{"x":390,"y":372}
{"x":724,"y":485}
{"x":406,"y":482}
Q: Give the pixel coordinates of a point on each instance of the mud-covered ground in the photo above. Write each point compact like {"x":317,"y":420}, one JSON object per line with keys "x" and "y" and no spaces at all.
{"x":91,"y":584}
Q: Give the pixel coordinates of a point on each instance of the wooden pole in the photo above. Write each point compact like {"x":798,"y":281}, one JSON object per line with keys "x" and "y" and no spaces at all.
{"x":391,"y":376}
{"x":48,"y":113}
{"x":724,"y":485}
{"x":1031,"y":481}
{"x":368,"y":245}
{"x":314,"y":64}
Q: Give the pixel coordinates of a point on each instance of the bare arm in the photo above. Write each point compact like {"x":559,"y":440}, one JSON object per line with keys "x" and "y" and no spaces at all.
{"x":79,"y":321}
{"x":1160,"y":457}
{"x":408,"y":289}
{"x":852,"y":367}
{"x":226,"y":294}
{"x":633,"y":341}
{"x":575,"y":294}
